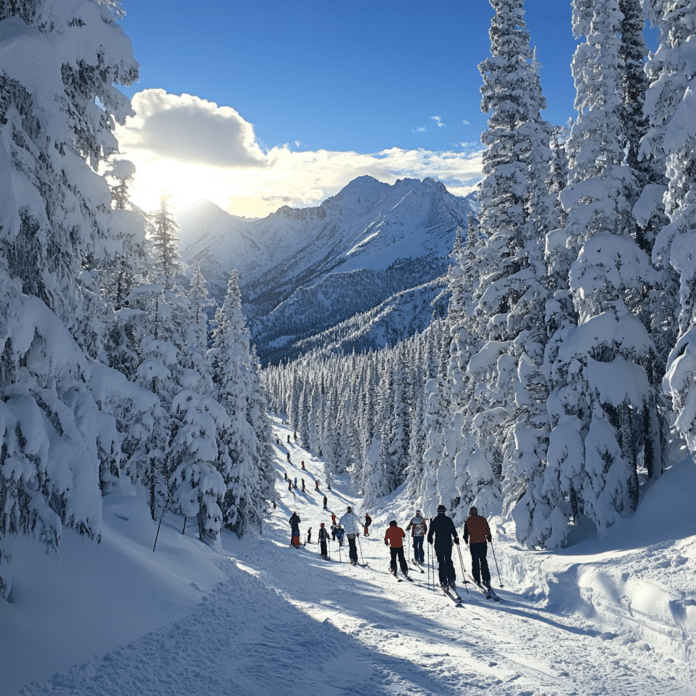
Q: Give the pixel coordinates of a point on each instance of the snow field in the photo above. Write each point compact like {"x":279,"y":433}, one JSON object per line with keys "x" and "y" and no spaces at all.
{"x":264,"y":618}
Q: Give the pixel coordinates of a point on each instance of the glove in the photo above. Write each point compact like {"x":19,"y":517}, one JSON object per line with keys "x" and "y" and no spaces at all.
{"x":456,"y":541}
{"x":386,"y":543}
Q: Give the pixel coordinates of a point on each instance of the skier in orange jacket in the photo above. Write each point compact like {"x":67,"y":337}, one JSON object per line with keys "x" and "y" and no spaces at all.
{"x":476,"y":534}
{"x":394,"y":537}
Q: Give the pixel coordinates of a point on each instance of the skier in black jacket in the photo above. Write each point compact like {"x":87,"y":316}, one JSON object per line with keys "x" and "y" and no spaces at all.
{"x":442,"y":528}
{"x":294,"y":523}
{"x":323,"y":538}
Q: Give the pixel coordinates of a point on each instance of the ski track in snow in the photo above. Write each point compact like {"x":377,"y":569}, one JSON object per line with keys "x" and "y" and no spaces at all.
{"x":286,"y":622}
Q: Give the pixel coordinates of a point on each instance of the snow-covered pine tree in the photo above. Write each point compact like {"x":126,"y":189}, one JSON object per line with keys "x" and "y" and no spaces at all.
{"x":196,"y":345}
{"x":602,"y":403}
{"x":126,"y":266}
{"x":515,"y":215}
{"x":671,"y":142}
{"x":244,"y":466}
{"x":59,"y":59}
{"x":257,"y":416}
{"x":165,"y":243}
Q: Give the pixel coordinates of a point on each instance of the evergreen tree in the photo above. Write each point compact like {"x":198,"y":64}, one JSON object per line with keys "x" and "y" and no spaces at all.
{"x":509,"y":324}
{"x":244,"y":466}
{"x":670,"y":143}
{"x":57,"y":448}
{"x":164,"y":243}
{"x":608,"y":280}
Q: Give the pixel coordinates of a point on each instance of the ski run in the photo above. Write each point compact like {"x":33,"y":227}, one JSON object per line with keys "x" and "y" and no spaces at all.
{"x":614,"y":617}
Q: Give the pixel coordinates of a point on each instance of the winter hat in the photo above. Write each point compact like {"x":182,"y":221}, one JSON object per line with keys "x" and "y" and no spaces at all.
{"x":440,"y":509}
{"x":419,"y":513}
{"x":350,"y":509}
{"x":322,"y":524}
{"x":473,"y":511}
{"x":392,"y":523}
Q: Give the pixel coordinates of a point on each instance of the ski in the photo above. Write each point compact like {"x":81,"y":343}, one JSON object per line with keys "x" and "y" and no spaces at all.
{"x":453,"y":596}
{"x":417,"y":564}
{"x":409,"y":578}
{"x":485,"y":591}
{"x":398,"y":579}
{"x":493,"y":595}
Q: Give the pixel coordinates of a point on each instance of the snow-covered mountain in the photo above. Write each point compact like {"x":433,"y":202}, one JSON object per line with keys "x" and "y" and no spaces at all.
{"x":303,"y":271}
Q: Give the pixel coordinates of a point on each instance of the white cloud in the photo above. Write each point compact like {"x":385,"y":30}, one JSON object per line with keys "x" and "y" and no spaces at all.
{"x":190,"y":129}
{"x":239,"y":176}
{"x":420,"y":129}
{"x":466,"y":123}
{"x":438,"y":120}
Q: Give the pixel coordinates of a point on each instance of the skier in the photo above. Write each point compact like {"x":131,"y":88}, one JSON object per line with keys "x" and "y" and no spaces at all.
{"x":316,"y":485}
{"x":288,"y":439}
{"x":285,"y":474}
{"x":395,"y":536}
{"x":442,"y":528}
{"x":303,"y":469}
{"x":328,"y":485}
{"x":309,"y":535}
{"x":288,"y":456}
{"x":418,"y":527}
{"x":290,"y":485}
{"x":295,"y":435}
{"x":368,"y":522}
{"x":339,"y":535}
{"x":294,"y":523}
{"x":323,"y":538}
{"x":476,"y":534}
{"x":326,"y":500}
{"x":303,"y":488}
{"x":333,"y":519}
{"x":295,"y":482}
{"x":351,"y":523}
{"x":274,"y":505}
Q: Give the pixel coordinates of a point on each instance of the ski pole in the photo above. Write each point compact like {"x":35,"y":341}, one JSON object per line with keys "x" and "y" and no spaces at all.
{"x":461,"y":562}
{"x":154,"y":546}
{"x":496,"y":565}
{"x":428,"y":566}
{"x":362,"y":560}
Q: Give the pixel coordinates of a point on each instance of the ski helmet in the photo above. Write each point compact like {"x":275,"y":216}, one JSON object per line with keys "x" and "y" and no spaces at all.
{"x":392,"y":523}
{"x":441,"y":508}
{"x":473,"y":511}
{"x":350,"y":509}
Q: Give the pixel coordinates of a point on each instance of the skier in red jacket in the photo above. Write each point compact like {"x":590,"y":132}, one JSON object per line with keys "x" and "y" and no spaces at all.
{"x":476,"y":534}
{"x":394,"y":537}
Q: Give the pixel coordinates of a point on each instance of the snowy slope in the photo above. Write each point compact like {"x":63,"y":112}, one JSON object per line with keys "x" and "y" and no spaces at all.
{"x":401,"y":315}
{"x":612,"y":617}
{"x":323,"y":265}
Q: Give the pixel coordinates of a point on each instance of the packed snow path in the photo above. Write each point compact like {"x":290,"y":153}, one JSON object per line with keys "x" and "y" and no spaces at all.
{"x":286,"y":622}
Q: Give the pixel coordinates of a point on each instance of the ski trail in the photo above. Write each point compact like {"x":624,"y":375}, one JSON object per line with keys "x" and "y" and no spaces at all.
{"x":287,"y":622}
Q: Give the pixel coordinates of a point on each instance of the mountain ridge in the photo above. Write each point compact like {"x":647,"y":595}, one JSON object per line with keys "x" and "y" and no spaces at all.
{"x":300,"y":267}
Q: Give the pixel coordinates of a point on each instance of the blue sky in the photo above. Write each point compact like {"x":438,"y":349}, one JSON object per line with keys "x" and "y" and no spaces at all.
{"x":358,"y":76}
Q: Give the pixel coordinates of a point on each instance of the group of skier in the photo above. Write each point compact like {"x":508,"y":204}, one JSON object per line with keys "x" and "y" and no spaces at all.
{"x":442,"y":535}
